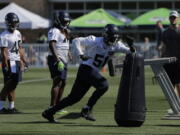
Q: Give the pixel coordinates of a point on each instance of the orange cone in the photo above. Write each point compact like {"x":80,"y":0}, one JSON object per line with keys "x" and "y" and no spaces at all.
{"x":103,"y":69}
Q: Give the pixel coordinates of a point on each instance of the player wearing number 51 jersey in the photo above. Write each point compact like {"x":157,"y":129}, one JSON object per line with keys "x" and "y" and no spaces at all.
{"x":12,"y":61}
{"x":99,"y":51}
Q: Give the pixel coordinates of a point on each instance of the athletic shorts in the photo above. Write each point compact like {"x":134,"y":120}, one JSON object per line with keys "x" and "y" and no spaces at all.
{"x":54,"y":70}
{"x":173,"y":71}
{"x":14,"y":72}
{"x":87,"y":77}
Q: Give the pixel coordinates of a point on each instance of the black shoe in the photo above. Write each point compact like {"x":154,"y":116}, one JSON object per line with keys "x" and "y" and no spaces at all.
{"x":13,"y":111}
{"x":87,"y":114}
{"x":49,"y":116}
{"x":3,"y":111}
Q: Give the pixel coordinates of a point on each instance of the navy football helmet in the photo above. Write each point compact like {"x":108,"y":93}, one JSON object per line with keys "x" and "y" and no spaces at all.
{"x":62,"y":20}
{"x":111,"y":34}
{"x":12,"y":21}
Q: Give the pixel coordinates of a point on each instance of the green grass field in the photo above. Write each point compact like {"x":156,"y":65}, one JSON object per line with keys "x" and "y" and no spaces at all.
{"x":33,"y":97}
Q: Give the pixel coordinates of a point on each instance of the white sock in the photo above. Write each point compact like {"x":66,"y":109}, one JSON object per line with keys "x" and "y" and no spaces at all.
{"x":2,"y":104}
{"x":11,"y":105}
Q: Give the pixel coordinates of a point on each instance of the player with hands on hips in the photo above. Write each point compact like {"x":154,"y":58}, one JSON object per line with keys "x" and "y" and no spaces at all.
{"x":58,"y":38}
{"x":100,"y":50}
{"x":13,"y":60}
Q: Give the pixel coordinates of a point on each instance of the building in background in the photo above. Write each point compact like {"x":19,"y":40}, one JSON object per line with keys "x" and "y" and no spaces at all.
{"x":129,"y":8}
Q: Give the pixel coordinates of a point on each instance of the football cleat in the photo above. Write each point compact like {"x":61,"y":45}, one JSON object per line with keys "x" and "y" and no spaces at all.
{"x":62,"y":112}
{"x":49,"y":116}
{"x":87,"y":114}
{"x":3,"y":111}
{"x":13,"y":111}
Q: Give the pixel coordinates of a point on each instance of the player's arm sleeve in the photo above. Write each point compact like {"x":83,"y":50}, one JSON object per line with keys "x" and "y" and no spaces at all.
{"x":3,"y":42}
{"x":19,"y":39}
{"x":53,"y":35}
{"x":77,"y":43}
{"x":120,"y":47}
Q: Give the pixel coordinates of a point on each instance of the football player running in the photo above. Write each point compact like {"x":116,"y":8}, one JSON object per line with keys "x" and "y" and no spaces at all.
{"x":100,"y":50}
{"x":58,"y":37}
{"x":13,"y":62}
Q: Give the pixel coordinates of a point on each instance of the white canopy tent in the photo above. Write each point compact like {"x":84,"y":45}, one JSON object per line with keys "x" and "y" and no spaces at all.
{"x":28,"y":20}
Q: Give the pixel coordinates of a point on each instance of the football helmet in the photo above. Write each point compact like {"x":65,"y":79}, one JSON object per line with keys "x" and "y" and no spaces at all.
{"x":62,"y":20}
{"x":12,"y":21}
{"x":111,"y":34}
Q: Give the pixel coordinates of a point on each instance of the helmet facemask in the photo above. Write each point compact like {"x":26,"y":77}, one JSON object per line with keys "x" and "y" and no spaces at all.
{"x":65,"y":22}
{"x":110,"y":38}
{"x":12,"y":26}
{"x":62,"y":20}
{"x":12,"y":21}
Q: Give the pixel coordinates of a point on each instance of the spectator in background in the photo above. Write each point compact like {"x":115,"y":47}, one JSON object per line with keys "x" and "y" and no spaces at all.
{"x":42,"y":38}
{"x":171,"y":48}
{"x":160,"y":30}
{"x":23,"y":39}
{"x":32,"y":55}
{"x":146,"y":48}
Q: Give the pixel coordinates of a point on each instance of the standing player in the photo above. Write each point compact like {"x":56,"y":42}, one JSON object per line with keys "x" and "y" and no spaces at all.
{"x":58,"y":37}
{"x":100,"y":50}
{"x":13,"y":61}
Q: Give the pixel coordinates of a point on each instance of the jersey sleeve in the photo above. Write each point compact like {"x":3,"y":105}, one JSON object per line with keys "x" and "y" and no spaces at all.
{"x":19,"y":38}
{"x":121,"y":47}
{"x":53,"y":35}
{"x":78,"y":43}
{"x":3,"y":41}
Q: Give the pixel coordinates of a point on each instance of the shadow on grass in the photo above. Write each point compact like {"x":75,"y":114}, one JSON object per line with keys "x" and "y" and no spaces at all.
{"x":39,"y":122}
{"x":73,"y":115}
{"x":70,"y":124}
{"x":168,"y":125}
{"x":89,"y":125}
{"x":21,"y":113}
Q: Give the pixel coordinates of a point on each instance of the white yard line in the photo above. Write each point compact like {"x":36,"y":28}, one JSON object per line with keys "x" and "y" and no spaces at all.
{"x":36,"y":80}
{"x":33,"y":80}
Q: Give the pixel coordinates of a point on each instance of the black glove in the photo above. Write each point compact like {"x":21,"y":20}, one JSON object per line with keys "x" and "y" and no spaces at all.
{"x":129,"y":40}
{"x":84,"y":58}
{"x":132,"y":49}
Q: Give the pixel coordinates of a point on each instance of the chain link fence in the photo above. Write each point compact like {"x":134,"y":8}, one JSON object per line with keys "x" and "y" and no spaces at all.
{"x":37,"y":54}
